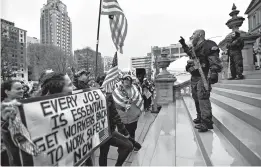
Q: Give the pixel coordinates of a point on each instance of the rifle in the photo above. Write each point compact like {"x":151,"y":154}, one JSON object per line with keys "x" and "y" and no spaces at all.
{"x":197,"y":64}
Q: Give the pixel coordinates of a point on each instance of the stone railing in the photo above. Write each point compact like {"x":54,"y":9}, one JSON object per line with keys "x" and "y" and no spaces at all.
{"x":182,"y":89}
{"x":159,"y":145}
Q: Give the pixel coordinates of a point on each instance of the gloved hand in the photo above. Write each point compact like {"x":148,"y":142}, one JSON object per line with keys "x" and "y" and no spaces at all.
{"x":228,"y":45}
{"x":213,"y":78}
{"x":190,"y":66}
{"x":182,"y":41}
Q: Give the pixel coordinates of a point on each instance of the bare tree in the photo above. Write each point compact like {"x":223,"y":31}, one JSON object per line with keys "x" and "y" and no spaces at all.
{"x":7,"y":45}
{"x":48,"y":57}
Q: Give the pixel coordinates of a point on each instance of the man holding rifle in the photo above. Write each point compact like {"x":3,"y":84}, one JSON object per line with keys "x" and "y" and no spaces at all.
{"x":204,"y":66}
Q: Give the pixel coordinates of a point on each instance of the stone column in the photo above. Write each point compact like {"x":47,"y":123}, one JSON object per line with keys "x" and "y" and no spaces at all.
{"x":248,"y":58}
{"x":164,"y":82}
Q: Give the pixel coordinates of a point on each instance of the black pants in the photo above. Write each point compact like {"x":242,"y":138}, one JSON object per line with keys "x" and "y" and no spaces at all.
{"x":236,"y":64}
{"x":124,"y":148}
{"x":202,"y":102}
{"x":147,"y":102}
{"x":132,"y":128}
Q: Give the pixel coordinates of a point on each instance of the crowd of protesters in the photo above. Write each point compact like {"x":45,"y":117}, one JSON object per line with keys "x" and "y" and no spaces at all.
{"x":123,"y":113}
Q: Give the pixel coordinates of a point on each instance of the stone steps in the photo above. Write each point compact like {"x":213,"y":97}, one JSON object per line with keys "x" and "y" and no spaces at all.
{"x":253,"y":74}
{"x":244,"y":81}
{"x":243,"y":111}
{"x":240,"y":87}
{"x":215,"y":147}
{"x":244,"y":137}
{"x":245,"y":97}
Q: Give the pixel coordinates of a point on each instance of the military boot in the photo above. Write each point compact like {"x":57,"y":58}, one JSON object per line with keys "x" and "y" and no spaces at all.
{"x":203,"y":127}
{"x":239,"y":77}
{"x":197,"y":120}
{"x":209,"y":125}
{"x":198,"y":126}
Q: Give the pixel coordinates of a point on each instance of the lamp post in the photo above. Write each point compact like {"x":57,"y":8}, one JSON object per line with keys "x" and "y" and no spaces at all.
{"x":214,"y":37}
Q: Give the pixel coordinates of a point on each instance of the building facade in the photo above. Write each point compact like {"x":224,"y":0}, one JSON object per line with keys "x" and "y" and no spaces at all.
{"x":13,"y":50}
{"x":107,"y":63}
{"x":254,"y":16}
{"x":175,"y":51}
{"x":32,"y":40}
{"x":142,"y":62}
{"x":86,"y":59}
{"x":56,"y":27}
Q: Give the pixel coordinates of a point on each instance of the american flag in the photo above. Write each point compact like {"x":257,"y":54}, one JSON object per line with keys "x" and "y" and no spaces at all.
{"x":118,"y":22}
{"x":112,"y":76}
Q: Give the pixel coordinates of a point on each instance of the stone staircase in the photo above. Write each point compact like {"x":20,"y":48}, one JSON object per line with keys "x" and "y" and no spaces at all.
{"x":236,"y":138}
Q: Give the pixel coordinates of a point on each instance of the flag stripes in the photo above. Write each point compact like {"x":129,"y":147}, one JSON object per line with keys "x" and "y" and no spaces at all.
{"x":112,"y":76}
{"x":121,"y":100}
{"x":118,"y":22}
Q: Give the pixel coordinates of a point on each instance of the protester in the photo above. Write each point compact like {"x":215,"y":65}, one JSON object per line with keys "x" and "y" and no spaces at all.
{"x":81,"y":79}
{"x":210,"y":62}
{"x":26,"y":91}
{"x":101,"y":79}
{"x":257,"y":51}
{"x":56,"y":83}
{"x":119,"y":140}
{"x":147,"y":97}
{"x":129,"y":104}
{"x":10,"y":91}
{"x":236,"y":59}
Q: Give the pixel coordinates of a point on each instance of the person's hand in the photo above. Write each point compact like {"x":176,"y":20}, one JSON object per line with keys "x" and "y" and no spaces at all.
{"x":213,"y":78}
{"x":190,"y":66}
{"x":182,"y":41}
{"x":228,"y":45}
{"x":9,"y":110}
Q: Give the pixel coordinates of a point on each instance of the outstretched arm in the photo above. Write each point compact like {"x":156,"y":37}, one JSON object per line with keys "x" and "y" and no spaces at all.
{"x":185,"y":46}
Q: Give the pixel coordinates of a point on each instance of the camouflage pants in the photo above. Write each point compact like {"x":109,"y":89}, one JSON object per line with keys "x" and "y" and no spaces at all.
{"x":202,"y":102}
{"x":236,"y":64}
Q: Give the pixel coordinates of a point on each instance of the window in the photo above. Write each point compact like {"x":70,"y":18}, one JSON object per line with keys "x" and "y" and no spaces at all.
{"x":22,"y":52}
{"x":22,"y":75}
{"x":21,"y":35}
{"x":22,"y":69}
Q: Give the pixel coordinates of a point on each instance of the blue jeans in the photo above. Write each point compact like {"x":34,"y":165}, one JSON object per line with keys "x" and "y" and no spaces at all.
{"x":124,"y":148}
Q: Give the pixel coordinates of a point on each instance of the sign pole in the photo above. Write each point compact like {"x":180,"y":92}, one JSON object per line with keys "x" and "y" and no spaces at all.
{"x":97,"y":42}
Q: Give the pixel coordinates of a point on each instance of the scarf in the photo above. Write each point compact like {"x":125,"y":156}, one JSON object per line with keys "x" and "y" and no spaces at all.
{"x":21,"y":137}
{"x":19,"y":133}
{"x":121,"y":98}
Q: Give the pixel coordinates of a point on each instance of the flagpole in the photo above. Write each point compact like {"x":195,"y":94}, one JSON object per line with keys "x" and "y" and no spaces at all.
{"x":97,"y":42}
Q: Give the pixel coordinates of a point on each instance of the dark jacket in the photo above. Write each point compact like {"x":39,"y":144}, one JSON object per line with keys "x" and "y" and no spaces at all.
{"x":114,"y":118}
{"x":81,"y":84}
{"x":235,"y":47}
{"x":208,"y":54}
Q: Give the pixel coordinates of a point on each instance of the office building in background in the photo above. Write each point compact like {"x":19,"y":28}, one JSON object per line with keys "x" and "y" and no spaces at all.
{"x":56,"y":27}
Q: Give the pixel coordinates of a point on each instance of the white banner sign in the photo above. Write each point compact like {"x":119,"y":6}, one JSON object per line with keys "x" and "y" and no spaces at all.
{"x":66,"y":128}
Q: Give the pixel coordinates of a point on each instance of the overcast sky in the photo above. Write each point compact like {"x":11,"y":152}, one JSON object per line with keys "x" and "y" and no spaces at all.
{"x":151,"y":22}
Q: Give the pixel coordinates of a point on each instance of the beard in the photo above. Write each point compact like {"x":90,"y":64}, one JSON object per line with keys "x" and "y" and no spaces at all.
{"x":195,"y":41}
